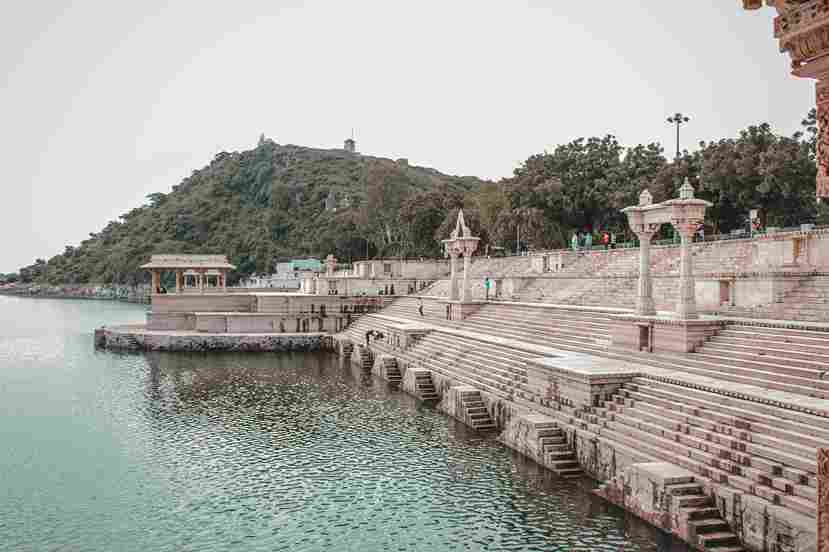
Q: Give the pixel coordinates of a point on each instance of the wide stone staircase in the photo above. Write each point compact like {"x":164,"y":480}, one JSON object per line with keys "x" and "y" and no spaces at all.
{"x":755,"y":448}
{"x":808,"y":301}
{"x":777,"y":358}
{"x":740,"y":440}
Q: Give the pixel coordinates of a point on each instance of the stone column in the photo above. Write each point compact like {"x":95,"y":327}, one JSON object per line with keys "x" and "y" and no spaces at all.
{"x":686,"y":308}
{"x":823,"y":500}
{"x":201,"y":282}
{"x":453,"y":276}
{"x":178,"y":281}
{"x":822,"y":96}
{"x":644,"y":300}
{"x":465,"y":293}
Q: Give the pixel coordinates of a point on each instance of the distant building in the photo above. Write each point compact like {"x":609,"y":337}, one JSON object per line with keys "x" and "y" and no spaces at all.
{"x":288,"y":275}
{"x":330,"y":202}
{"x":350,"y":145}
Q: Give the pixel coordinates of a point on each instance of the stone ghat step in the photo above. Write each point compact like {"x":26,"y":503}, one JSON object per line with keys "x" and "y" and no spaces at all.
{"x":544,"y":312}
{"x":790,"y":335}
{"x":448,"y":361}
{"x":753,"y":463}
{"x":728,"y":370}
{"x":508,"y":360}
{"x":595,"y":345}
{"x":446,"y":365}
{"x":736,"y":411}
{"x":497,"y":327}
{"x":800,"y":370}
{"x":696,"y":460}
{"x":552,"y":322}
{"x":767,"y":349}
{"x":716,"y":426}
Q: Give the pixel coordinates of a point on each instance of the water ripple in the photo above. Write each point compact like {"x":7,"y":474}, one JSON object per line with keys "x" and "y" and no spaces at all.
{"x":192,"y":452}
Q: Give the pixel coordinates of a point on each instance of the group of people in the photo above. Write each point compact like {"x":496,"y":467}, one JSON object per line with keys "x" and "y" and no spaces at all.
{"x":583,"y":241}
{"x":375,"y":334}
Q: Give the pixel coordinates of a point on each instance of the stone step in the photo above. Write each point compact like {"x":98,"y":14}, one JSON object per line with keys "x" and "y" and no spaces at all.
{"x":718,"y":427}
{"x":693,"y":501}
{"x":728,"y":447}
{"x":743,"y":412}
{"x":702,"y":513}
{"x":718,"y":539}
{"x":704,"y":366}
{"x":684,"y":488}
{"x":770,"y":348}
{"x":712,"y":525}
{"x":789,"y":335}
{"x":808,"y":370}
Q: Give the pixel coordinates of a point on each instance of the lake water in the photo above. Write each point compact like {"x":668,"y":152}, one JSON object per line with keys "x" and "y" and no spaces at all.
{"x":210,"y":452}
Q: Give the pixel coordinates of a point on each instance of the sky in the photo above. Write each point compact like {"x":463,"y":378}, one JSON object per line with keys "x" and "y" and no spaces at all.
{"x":103,"y":103}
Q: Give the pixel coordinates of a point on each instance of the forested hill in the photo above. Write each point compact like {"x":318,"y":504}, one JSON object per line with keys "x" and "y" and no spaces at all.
{"x":287,"y":201}
{"x":270,"y":202}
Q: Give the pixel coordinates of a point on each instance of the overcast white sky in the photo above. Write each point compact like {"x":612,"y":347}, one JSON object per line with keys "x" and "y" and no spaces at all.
{"x":102,"y":103}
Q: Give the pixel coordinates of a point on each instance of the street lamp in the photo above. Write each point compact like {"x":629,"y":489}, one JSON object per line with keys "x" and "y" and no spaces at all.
{"x":678,"y":119}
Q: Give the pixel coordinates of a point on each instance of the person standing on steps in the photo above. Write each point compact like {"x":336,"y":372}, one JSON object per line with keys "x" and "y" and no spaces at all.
{"x":368,"y":336}
{"x":420,"y":307}
{"x":487,"y":283}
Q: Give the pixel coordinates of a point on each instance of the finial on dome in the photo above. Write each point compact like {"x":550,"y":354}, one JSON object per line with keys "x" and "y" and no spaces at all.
{"x":686,"y":191}
{"x":645,"y":198}
{"x":461,"y":229}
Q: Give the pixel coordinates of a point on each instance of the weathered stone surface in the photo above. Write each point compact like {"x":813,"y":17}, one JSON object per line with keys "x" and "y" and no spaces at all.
{"x":135,"y":338}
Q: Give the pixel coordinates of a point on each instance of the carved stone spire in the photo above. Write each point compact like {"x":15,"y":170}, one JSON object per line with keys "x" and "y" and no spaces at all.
{"x":686,"y":191}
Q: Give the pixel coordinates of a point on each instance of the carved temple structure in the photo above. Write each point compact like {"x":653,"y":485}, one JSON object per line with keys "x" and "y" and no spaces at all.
{"x":802,"y":29}
{"x":461,"y":243}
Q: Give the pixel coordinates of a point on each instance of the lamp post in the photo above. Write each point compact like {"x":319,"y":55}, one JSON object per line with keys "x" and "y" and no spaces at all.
{"x":678,"y":119}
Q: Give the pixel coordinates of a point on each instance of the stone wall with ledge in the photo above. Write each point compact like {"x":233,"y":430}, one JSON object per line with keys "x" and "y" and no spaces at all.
{"x":576,"y":380}
{"x":661,"y":334}
{"x":137,"y":339}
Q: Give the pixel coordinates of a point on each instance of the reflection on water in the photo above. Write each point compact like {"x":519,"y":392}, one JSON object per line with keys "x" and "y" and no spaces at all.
{"x":257,"y":452}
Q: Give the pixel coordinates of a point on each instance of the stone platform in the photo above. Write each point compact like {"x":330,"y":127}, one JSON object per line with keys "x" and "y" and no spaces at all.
{"x":137,"y":337}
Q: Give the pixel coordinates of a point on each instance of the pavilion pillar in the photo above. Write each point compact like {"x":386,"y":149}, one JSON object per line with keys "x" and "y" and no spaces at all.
{"x":178,"y":281}
{"x":686,"y":308}
{"x":453,"y":275}
{"x":201,"y":281}
{"x":156,"y":280}
{"x":644,"y":300}
{"x":465,"y":294}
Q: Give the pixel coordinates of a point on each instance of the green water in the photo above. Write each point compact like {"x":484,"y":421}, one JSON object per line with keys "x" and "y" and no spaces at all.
{"x":186,"y":452}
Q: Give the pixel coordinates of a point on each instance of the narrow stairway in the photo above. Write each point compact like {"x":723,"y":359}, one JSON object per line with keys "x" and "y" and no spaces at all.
{"x":476,"y":411}
{"x":424,"y":386}
{"x":560,"y":457}
{"x":705,"y":526}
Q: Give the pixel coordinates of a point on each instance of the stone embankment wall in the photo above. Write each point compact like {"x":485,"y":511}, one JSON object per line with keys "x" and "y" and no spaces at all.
{"x":134,"y":338}
{"x":565,"y":401}
{"x":112,"y":292}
